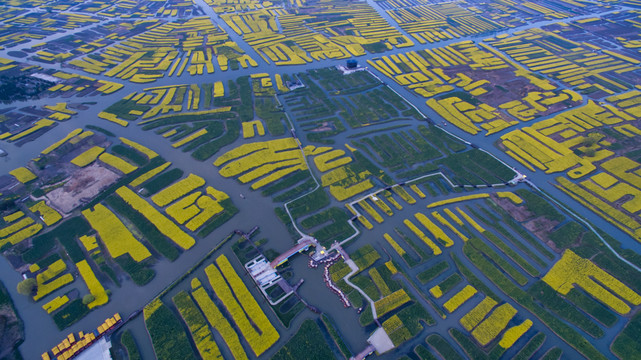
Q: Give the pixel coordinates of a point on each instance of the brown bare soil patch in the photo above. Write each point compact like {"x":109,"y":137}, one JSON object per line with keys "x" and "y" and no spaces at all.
{"x":85,"y":184}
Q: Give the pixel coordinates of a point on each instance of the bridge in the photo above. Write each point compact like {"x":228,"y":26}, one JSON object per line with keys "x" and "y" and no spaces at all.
{"x":303,"y":245}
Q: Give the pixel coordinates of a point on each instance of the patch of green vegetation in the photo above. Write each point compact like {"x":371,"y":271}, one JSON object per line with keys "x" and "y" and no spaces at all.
{"x":208,"y":150}
{"x":127,"y":340}
{"x":281,"y":214}
{"x":175,"y":119}
{"x":307,"y":343}
{"x":400,"y":150}
{"x":568,"y":334}
{"x":507,"y":218}
{"x":285,"y":183}
{"x":140,"y":272}
{"x":70,"y":314}
{"x":377,"y":47}
{"x":336,"y":336}
{"x":476,"y":167}
{"x":442,"y":140}
{"x":531,"y":347}
{"x":337,"y":227}
{"x":102,"y":130}
{"x":288,"y":309}
{"x":551,"y":300}
{"x":566,"y":235}
{"x":310,"y":203}
{"x":373,"y":131}
{"x":219,"y":219}
{"x":552,"y":354}
{"x":449,"y":283}
{"x":246,"y":108}
{"x":12,"y":326}
{"x":266,"y":109}
{"x":471,"y":348}
{"x":365,"y":256}
{"x":129,"y":153}
{"x":539,"y":206}
{"x":366,"y":164}
{"x":66,"y":233}
{"x":297,"y":191}
{"x":592,"y":307}
{"x":430,"y":274}
{"x":167,"y":335}
{"x":508,"y":235}
{"x":413,"y":315}
{"x":367,"y":285}
{"x":162,"y":180}
{"x":424,"y":354}
{"x":507,"y":250}
{"x":627,"y":345}
{"x":438,"y":343}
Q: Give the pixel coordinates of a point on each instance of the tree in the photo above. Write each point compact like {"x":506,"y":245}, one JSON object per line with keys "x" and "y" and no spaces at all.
{"x":88,"y":299}
{"x":591,"y":152}
{"x":27,"y":286}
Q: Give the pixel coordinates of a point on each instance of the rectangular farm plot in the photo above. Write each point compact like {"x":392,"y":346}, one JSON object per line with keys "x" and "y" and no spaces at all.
{"x":573,"y":270}
{"x":492,"y":326}
{"x":114,"y":234}
{"x":241,"y":305}
{"x":95,"y":287}
{"x":217,"y":320}
{"x":164,"y":225}
{"x":391,"y":302}
{"x":262,"y":162}
{"x":436,"y":250}
{"x":177,"y":190}
{"x":478,"y":313}
{"x":198,"y":327}
{"x":459,"y":298}
{"x":48,"y":280}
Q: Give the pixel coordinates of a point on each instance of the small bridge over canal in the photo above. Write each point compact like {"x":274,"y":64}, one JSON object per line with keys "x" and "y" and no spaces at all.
{"x":303,"y":244}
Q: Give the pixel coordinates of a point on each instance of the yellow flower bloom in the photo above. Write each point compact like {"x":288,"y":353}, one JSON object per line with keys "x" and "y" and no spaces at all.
{"x":399,"y":250}
{"x":114,"y":234}
{"x":177,"y":190}
{"x":242,"y":306}
{"x":391,"y":302}
{"x":458,"y":199}
{"x":48,"y":215}
{"x":491,"y":327}
{"x":573,"y":270}
{"x":435,"y":249}
{"x":95,"y":287}
{"x":55,"y":304}
{"x":513,"y":334}
{"x":47,"y":283}
{"x":164,"y":225}
{"x":474,"y":317}
{"x":88,"y":156}
{"x":459,"y":298}
{"x":23,"y":174}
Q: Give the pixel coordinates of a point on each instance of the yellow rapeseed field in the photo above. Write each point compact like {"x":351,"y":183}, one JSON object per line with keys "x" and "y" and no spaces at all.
{"x":572,"y":270}
{"x":114,"y":234}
